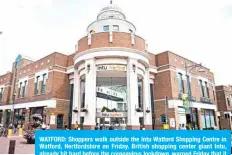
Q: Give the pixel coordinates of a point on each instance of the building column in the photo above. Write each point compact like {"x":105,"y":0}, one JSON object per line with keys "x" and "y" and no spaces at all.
{"x":147,"y":101}
{"x":132,"y":95}
{"x":90,"y":95}
{"x":76,"y":98}
{"x":176,"y":118}
{"x":199,"y":118}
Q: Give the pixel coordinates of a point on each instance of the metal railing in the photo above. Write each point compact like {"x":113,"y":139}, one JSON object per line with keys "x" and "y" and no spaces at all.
{"x":206,"y":100}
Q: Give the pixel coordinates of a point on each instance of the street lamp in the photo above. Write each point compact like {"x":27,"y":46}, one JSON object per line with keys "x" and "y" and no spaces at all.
{"x":188,"y":69}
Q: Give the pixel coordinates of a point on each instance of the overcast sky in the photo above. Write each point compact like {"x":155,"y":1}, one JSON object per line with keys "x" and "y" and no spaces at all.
{"x":200,"y":30}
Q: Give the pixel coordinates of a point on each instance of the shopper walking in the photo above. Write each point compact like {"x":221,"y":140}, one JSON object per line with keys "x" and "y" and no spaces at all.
{"x":76,"y":126}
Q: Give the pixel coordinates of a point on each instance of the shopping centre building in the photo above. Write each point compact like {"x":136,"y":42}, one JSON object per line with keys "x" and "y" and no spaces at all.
{"x":111,"y":78}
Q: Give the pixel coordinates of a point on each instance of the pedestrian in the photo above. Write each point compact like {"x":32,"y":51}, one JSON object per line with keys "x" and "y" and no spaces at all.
{"x":183,"y":127}
{"x":48,"y":127}
{"x":43,"y":126}
{"x":97,"y":127}
{"x":180,"y":127}
{"x":111,"y":127}
{"x":76,"y":126}
{"x":65,"y":126}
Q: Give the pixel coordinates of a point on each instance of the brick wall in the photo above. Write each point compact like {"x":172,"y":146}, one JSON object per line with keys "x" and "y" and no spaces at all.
{"x":70,"y":59}
{"x":61,"y":86}
{"x":162,"y":59}
{"x":162,"y":85}
{"x":168,"y":63}
{"x":5,"y":82}
{"x":57,"y":84}
{"x":62,"y":108}
{"x":222,"y":93}
{"x":120,"y":39}
{"x":152,"y":60}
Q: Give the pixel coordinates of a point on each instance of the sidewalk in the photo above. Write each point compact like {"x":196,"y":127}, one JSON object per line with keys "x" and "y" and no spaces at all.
{"x":21,"y":145}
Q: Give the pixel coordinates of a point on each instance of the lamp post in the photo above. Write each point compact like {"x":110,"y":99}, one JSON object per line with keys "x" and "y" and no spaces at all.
{"x":188,"y":69}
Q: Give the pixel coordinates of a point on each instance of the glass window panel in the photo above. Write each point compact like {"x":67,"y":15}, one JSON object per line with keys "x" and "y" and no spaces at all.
{"x":115,"y":28}
{"x":212,"y":120}
{"x":180,"y":83}
{"x":140,"y":93}
{"x":106,"y":28}
{"x":203,"y":121}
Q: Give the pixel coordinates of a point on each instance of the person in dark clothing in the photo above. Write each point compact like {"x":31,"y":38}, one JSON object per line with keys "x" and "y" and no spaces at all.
{"x":111,"y":127}
{"x":97,"y":127}
{"x":65,"y":126}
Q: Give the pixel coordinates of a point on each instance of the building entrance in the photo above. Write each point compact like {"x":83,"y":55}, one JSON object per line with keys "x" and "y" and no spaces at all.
{"x":111,"y":99}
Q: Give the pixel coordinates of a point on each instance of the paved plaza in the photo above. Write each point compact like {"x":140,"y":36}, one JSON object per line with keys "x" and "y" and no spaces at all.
{"x":21,"y":146}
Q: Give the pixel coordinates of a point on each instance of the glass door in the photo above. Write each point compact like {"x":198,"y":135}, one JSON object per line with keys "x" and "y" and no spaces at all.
{"x":60,"y":121}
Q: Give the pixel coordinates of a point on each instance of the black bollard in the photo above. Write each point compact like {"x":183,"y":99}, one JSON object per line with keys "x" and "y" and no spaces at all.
{"x":11,"y":147}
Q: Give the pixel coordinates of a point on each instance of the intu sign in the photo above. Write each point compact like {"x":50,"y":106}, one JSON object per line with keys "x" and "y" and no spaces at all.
{"x":111,"y":114}
{"x":111,"y":68}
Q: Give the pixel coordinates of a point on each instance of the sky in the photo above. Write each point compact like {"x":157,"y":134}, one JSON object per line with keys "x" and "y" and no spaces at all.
{"x":200,"y":30}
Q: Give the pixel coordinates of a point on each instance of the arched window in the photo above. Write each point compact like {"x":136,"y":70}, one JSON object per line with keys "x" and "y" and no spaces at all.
{"x":140,"y":93}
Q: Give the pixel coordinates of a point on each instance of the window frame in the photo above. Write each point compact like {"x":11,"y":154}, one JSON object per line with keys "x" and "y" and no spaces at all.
{"x":37,"y":85}
{"x":115,"y":26}
{"x":180,"y":82}
{"x":24,"y":89}
{"x":106,"y":26}
{"x":43,"y":89}
{"x":202,"y":89}
{"x":20,"y":90}
{"x":1,"y":93}
{"x":206,"y":89}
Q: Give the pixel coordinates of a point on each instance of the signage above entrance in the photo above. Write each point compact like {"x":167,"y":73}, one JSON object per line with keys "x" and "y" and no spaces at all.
{"x":111,"y":114}
{"x":111,"y":68}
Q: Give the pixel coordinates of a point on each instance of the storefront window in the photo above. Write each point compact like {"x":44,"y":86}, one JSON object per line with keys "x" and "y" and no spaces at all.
{"x":208,"y":119}
{"x":1,"y":115}
{"x":8,"y":113}
{"x":203,"y":121}
{"x":19,"y":117}
{"x":182,"y":116}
